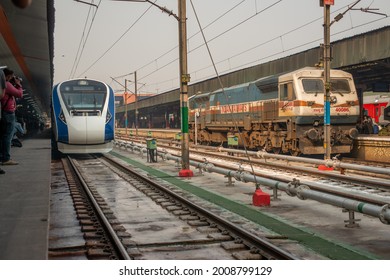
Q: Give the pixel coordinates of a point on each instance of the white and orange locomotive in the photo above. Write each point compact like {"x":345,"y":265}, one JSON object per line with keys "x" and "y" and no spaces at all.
{"x":279,"y":113}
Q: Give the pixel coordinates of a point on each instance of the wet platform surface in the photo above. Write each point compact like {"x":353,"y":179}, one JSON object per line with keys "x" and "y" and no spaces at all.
{"x":24,"y":201}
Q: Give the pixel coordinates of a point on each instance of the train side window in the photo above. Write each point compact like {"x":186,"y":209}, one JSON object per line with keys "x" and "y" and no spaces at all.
{"x":213,"y":100}
{"x":192,"y":104}
{"x":287,"y":92}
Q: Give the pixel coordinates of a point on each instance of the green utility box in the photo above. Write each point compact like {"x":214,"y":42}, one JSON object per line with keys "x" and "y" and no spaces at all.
{"x":232,"y":140}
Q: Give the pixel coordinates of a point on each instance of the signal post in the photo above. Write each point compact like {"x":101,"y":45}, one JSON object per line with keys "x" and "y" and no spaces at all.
{"x":327,"y":145}
{"x":184,"y":80}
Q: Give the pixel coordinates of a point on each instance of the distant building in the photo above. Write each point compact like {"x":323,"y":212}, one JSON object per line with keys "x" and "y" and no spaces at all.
{"x":120,"y":97}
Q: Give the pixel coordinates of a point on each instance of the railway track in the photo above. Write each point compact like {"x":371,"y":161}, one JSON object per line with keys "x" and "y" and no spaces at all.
{"x":355,"y":184}
{"x":95,"y":233}
{"x":304,"y":182}
{"x":134,"y":217}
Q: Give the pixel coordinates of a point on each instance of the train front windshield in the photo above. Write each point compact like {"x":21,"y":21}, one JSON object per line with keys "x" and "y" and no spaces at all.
{"x":83,"y":95}
{"x":317,"y":86}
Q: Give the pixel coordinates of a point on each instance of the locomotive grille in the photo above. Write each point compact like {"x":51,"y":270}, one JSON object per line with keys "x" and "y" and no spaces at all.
{"x":85,"y":113}
{"x":270,"y":110}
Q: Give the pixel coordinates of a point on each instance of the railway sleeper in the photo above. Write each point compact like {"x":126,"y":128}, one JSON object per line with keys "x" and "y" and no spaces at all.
{"x":107,"y":212}
{"x":114,"y":221}
{"x":233,"y":246}
{"x":134,"y":252}
{"x":95,"y":243}
{"x":82,"y":211}
{"x":171,"y":208}
{"x":247,"y":255}
{"x":78,"y":198}
{"x":85,"y":222}
{"x":123,"y":234}
{"x":198,"y":223}
{"x":219,"y":236}
{"x":189,"y":217}
{"x":162,"y":200}
{"x":96,"y":235}
{"x":151,"y":192}
{"x":181,"y":212}
{"x":128,"y":242}
{"x":207,"y":229}
{"x":63,"y":253}
{"x":98,"y":253}
{"x":110,"y":216}
{"x":84,"y":216}
{"x":88,"y":228}
{"x":166,"y":203}
{"x":118,"y":227}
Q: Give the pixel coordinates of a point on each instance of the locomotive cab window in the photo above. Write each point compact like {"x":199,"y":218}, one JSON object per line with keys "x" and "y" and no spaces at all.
{"x":340,"y":86}
{"x":314,"y":86}
{"x":83,"y":96}
{"x":287,"y":92}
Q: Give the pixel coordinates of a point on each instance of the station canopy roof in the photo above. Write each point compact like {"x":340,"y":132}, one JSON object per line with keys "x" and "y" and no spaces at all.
{"x":26,"y":47}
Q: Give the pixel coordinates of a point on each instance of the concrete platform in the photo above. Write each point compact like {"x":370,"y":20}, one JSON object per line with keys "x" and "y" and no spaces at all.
{"x":24,"y":201}
{"x":372,"y":148}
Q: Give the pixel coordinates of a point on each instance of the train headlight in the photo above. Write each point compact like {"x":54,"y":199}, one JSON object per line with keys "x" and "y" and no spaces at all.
{"x":353,"y":133}
{"x":62,"y":117}
{"x":108,"y":116}
{"x":333,"y":99}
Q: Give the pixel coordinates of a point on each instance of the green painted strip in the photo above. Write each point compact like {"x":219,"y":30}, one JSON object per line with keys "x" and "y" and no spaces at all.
{"x":184,"y":119}
{"x":360,"y":207}
{"x":310,"y":239}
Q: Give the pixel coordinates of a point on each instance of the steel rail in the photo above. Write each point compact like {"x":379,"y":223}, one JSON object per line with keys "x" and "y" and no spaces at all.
{"x":328,"y":163}
{"x":121,"y":249}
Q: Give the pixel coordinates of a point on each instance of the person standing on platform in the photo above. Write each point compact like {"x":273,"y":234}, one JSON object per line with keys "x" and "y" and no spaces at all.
{"x":8,"y":106}
{"x":2,"y":89}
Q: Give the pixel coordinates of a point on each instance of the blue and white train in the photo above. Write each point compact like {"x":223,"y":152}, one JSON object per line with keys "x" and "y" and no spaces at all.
{"x":83,"y":116}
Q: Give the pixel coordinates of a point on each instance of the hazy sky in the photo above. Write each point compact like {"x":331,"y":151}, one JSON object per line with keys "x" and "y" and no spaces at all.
{"x":123,"y":37}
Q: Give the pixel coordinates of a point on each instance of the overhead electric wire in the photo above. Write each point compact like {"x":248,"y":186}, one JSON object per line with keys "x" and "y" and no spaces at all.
{"x":86,"y":39}
{"x":235,"y":123}
{"x":79,"y":47}
{"x":273,"y":39}
{"x":174,"y":48}
{"x":120,"y":38}
{"x":79,"y":54}
{"x":222,"y":33}
{"x":278,"y":53}
{"x":226,"y":31}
